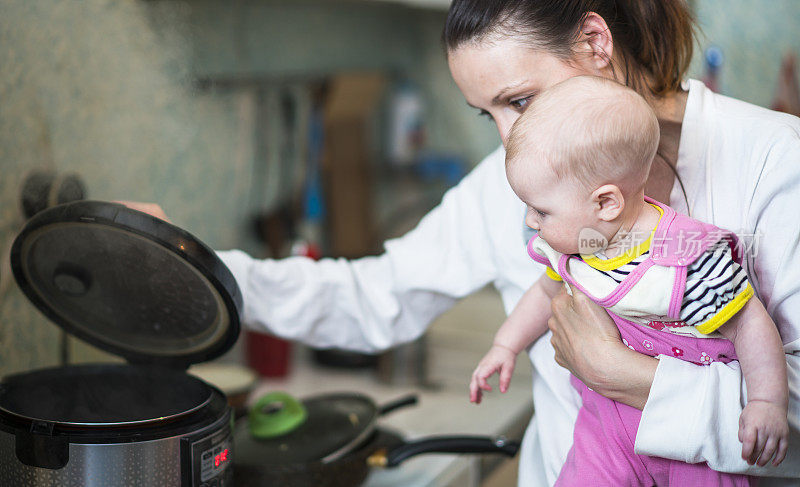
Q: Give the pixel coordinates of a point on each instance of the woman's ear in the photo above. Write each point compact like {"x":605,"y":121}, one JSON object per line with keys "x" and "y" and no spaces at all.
{"x":595,"y":39}
{"x":608,"y":202}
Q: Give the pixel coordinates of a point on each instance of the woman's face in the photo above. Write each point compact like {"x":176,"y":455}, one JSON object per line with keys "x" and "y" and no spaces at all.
{"x":499,"y":77}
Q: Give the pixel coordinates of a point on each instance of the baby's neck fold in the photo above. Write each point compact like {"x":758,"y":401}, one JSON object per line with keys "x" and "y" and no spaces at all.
{"x":635,"y":227}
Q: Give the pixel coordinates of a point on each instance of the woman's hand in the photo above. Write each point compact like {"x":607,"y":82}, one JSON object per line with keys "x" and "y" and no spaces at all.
{"x":149,"y":208}
{"x":587,"y":343}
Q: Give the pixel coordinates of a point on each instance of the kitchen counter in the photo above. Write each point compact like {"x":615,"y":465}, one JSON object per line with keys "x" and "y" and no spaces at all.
{"x":455,"y":343}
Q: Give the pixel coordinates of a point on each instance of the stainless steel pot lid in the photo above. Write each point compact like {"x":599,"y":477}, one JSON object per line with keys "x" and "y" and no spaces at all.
{"x":103,"y":395}
{"x":128,"y":283}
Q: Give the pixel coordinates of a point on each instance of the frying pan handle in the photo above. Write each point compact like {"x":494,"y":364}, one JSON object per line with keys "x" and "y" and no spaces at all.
{"x":445,"y":444}
{"x":404,"y":401}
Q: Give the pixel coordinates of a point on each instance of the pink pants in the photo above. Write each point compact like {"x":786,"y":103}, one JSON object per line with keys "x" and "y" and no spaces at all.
{"x":605,"y":431}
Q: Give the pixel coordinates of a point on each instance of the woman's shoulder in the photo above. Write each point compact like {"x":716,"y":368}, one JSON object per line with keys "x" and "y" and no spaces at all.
{"x":749,"y":147}
{"x":743,"y":121}
{"x":493,"y":163}
{"x":488,"y":177}
{"x":485,"y":186}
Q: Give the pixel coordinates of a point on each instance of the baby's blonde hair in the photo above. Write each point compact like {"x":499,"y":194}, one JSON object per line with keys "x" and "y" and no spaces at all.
{"x":593,"y":129}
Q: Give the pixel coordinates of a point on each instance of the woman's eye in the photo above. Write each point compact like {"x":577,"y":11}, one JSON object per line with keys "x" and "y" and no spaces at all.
{"x":520,"y":103}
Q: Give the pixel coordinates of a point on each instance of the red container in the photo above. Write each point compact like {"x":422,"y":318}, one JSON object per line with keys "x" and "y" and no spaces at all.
{"x":267,"y":355}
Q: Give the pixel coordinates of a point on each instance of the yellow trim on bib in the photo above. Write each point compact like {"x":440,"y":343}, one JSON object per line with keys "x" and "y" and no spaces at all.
{"x":552,"y":274}
{"x":627,"y":257}
{"x":727,"y":311}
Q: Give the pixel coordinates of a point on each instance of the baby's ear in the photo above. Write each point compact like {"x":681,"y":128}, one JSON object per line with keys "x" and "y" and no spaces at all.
{"x":608,"y":202}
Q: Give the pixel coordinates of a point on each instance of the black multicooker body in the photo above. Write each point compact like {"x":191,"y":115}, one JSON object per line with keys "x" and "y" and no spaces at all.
{"x":145,"y":290}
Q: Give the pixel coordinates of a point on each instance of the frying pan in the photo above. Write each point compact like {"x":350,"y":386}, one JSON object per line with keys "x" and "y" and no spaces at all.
{"x":338,"y":443}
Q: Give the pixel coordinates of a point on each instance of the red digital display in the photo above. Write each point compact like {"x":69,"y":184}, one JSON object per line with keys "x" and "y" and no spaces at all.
{"x":221,"y":458}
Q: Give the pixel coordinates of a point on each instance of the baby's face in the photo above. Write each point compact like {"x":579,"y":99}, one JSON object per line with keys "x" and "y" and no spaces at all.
{"x":558,"y":209}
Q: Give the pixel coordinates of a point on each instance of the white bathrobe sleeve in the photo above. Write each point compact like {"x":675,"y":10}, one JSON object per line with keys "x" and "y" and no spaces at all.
{"x":373,"y":303}
{"x":692,"y":413}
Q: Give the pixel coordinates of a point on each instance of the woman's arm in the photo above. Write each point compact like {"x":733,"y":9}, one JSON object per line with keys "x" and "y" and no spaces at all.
{"x":373,"y":303}
{"x":690,"y":413}
{"x":587,"y":343}
{"x":713,"y":397}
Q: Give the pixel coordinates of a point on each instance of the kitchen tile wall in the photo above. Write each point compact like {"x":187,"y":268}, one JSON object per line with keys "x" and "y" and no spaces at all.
{"x":100,"y":88}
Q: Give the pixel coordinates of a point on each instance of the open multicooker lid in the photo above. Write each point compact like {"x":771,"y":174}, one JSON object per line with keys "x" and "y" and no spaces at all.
{"x":128,"y":283}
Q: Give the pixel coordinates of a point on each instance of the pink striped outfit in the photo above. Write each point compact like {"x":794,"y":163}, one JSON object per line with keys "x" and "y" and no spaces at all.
{"x":605,"y":431}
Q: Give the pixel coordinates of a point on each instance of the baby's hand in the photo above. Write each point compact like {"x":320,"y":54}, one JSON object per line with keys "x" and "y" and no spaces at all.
{"x":764,"y":432}
{"x":498,"y":359}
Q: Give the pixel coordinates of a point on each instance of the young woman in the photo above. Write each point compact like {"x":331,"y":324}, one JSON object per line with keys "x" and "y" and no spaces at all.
{"x":737,"y":166}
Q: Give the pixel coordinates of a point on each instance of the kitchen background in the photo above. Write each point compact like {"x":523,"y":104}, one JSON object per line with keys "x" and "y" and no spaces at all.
{"x":199,"y":105}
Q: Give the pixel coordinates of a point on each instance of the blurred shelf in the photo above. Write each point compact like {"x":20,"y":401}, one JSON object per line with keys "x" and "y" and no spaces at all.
{"x":402,"y":198}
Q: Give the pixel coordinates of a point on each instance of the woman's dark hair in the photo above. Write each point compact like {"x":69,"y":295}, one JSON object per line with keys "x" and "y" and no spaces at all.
{"x":654,"y":37}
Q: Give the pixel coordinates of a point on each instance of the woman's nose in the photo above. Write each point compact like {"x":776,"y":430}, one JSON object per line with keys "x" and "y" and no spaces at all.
{"x":504,"y":122}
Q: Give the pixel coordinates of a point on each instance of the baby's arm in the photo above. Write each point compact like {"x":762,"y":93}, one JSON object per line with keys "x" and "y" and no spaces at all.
{"x":763,"y":427}
{"x":526,"y":323}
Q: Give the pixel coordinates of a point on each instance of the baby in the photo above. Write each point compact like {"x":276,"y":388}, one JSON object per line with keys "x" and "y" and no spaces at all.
{"x":578,"y":158}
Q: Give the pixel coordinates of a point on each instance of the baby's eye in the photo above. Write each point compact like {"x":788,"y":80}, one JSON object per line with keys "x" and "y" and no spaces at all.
{"x":539,"y":213}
